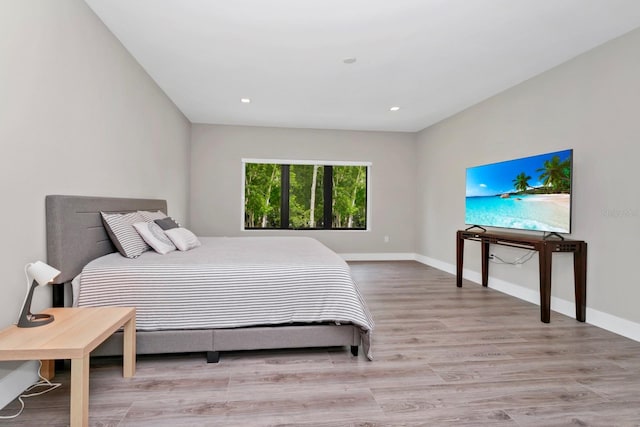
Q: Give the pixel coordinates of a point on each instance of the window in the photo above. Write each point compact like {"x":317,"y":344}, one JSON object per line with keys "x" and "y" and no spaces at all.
{"x":305,"y":195}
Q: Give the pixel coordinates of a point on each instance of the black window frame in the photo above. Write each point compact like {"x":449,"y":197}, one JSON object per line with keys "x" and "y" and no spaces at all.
{"x":327,"y":201}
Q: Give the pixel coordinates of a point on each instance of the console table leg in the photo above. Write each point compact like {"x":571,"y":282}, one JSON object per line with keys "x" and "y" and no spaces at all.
{"x":545,"y":284}
{"x":459,"y":260}
{"x":485,"y":263}
{"x":580,"y":279}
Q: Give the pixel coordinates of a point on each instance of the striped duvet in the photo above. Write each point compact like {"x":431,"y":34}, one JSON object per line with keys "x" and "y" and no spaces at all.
{"x":229,"y":283}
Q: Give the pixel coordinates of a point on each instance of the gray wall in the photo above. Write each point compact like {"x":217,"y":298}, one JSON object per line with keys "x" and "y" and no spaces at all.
{"x":216,"y":180}
{"x":590,"y":104}
{"x":78,"y":115}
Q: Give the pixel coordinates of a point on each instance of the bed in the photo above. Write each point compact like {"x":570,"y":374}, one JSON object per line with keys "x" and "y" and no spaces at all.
{"x":260,"y":268}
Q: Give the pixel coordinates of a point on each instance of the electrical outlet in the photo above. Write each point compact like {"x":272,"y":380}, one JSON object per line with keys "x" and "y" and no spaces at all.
{"x":386,"y":239}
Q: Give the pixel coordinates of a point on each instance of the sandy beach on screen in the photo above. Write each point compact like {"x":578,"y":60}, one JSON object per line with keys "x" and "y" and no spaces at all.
{"x":562,"y":200}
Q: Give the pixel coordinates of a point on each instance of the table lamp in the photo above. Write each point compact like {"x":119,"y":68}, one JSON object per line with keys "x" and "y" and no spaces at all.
{"x":38,"y":273}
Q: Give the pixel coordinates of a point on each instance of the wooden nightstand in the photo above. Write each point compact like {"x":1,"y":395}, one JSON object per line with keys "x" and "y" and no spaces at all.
{"x":73,"y":334}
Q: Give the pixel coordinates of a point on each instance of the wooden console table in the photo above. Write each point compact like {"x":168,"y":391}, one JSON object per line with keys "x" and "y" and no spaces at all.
{"x":545,"y":249}
{"x":73,"y":334}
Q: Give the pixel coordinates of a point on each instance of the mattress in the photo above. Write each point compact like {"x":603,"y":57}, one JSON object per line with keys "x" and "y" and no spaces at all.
{"x":230,"y":283}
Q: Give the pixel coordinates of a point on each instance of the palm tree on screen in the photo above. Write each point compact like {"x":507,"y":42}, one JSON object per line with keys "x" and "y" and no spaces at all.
{"x":521,"y":183}
{"x":555,"y":174}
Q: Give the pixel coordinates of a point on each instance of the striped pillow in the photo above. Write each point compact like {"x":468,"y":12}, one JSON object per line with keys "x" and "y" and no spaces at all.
{"x":125,"y":238}
{"x":152,"y":216}
{"x":160,"y":218}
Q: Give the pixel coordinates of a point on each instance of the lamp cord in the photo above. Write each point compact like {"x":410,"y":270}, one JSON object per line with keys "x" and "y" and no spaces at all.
{"x":43,"y":382}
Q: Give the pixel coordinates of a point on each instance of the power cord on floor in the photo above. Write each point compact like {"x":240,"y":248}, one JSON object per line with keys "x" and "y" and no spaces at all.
{"x":43,"y":382}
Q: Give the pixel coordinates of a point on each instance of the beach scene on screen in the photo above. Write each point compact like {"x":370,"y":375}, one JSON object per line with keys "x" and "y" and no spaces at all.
{"x":531,"y":193}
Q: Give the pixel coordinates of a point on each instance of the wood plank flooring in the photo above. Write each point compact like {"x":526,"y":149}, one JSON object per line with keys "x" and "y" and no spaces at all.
{"x":443,"y":356}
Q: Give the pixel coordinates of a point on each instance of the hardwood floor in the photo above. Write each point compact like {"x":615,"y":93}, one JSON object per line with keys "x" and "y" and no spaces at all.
{"x":443,"y":356}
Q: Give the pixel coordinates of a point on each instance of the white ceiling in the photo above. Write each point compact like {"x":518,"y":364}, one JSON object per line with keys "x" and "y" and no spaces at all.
{"x":432,"y":58}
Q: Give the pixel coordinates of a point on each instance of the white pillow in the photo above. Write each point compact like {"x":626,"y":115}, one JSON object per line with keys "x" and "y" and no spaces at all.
{"x":183,"y":238}
{"x":154,"y":236}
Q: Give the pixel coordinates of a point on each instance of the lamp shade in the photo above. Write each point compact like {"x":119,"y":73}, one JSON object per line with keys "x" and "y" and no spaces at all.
{"x":38,"y":274}
{"x":41,"y":272}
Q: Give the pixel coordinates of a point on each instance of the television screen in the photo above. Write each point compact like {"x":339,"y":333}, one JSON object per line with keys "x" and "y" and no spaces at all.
{"x":531,"y":193}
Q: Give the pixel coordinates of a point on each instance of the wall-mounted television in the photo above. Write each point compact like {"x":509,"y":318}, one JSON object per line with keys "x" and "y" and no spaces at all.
{"x":530,"y":193}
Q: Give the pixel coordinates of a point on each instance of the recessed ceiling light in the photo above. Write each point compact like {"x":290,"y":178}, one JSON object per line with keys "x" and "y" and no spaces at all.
{"x":349,"y":60}
{"x":245,"y":100}
{"x":394,"y":108}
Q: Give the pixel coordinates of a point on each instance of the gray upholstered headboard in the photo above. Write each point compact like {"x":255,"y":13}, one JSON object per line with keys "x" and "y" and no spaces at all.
{"x":75,"y":233}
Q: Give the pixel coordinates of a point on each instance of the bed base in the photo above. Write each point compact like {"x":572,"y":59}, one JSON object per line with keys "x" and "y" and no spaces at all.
{"x":214,"y":341}
{"x":214,"y":356}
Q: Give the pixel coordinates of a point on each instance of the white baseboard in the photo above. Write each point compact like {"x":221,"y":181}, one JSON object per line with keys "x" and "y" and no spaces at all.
{"x":614,"y":324}
{"x":15,"y":377}
{"x":440,"y":265}
{"x":606,"y":321}
{"x":390,"y":256}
